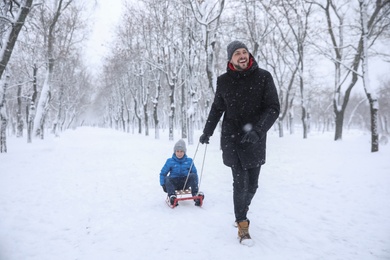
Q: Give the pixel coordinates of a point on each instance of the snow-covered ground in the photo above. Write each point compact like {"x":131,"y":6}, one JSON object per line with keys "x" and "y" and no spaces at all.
{"x":94,"y":194}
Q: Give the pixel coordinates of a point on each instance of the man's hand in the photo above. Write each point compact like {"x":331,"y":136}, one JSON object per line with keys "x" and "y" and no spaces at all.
{"x":204,"y":139}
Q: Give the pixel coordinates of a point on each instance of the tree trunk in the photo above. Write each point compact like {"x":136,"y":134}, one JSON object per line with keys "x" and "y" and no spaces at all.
{"x":156,"y":121}
{"x":172,"y":110}
{"x":146,"y":118}
{"x":210,"y":67}
{"x":56,"y":124}
{"x":3,"y":117}
{"x":280,"y":126}
{"x":291,"y":116}
{"x":303,"y":105}
{"x":19,"y":119}
{"x":366,"y":83}
{"x":304,"y":122}
{"x":184,"y":109}
{"x":122,"y":114}
{"x":374,"y":125}
{"x":339,"y":121}
{"x":137,"y":115}
{"x":155,"y":107}
{"x":31,"y":106}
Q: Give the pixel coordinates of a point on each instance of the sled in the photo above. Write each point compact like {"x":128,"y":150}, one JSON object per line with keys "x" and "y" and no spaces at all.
{"x":186,"y":194}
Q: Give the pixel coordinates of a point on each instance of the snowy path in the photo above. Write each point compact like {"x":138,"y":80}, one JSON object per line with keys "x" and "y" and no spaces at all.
{"x":94,"y":194}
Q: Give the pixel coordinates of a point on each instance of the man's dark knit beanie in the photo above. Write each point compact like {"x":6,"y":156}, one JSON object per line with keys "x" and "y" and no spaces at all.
{"x":233,"y":46}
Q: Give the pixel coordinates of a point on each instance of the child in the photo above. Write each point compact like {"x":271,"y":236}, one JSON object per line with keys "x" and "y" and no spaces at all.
{"x":173,"y":175}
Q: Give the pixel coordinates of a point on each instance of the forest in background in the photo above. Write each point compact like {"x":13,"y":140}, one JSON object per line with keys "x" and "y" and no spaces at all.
{"x":161,"y":69}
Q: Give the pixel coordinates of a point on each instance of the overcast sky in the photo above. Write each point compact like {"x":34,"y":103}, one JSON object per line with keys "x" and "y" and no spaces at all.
{"x":105,"y":18}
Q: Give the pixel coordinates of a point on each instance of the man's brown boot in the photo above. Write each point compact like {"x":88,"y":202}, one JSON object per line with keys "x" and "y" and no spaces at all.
{"x":243,"y":233}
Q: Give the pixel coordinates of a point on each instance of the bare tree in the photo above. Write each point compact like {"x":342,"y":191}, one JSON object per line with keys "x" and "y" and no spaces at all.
{"x":380,"y":13}
{"x":208,"y":14}
{"x":297,"y":14}
{"x":45,"y":97}
{"x":69,"y":70}
{"x":348,"y":48}
{"x":193,"y":78}
{"x":278,"y":52}
{"x":14,"y":25}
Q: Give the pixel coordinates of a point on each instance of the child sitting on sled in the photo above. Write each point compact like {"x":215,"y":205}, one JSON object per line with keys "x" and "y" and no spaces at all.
{"x":179,"y":171}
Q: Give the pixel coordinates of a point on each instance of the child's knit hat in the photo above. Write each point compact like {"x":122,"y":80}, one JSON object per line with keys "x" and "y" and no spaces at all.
{"x":180,"y":145}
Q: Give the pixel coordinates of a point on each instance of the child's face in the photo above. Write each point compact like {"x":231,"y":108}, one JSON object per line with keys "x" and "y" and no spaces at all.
{"x":179,"y":154}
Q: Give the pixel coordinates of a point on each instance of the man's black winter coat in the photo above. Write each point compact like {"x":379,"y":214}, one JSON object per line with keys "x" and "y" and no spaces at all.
{"x":249,"y":101}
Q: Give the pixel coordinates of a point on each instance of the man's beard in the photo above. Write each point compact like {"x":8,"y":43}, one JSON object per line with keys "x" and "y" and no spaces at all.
{"x":239,"y":66}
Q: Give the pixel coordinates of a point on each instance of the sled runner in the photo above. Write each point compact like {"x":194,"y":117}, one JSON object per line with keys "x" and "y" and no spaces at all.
{"x":182,"y":195}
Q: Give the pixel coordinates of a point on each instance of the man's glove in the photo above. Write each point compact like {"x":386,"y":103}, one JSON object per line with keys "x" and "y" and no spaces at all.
{"x":164,"y":188}
{"x":204,"y":139}
{"x":250,"y":137}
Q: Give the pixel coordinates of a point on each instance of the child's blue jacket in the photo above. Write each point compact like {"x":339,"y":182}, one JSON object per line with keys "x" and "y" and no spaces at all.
{"x":177,"y":168}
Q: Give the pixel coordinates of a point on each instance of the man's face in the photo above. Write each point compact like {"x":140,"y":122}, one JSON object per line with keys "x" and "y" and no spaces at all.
{"x":240,"y":59}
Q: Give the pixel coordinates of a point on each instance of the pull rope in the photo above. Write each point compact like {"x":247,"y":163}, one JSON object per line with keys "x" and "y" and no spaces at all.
{"x":189,"y":171}
{"x":201,"y":171}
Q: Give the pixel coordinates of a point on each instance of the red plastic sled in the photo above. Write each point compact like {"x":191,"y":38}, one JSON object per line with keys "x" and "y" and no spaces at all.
{"x":185,"y":195}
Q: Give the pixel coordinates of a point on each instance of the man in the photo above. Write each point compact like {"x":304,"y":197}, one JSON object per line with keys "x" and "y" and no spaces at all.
{"x":247,"y":97}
